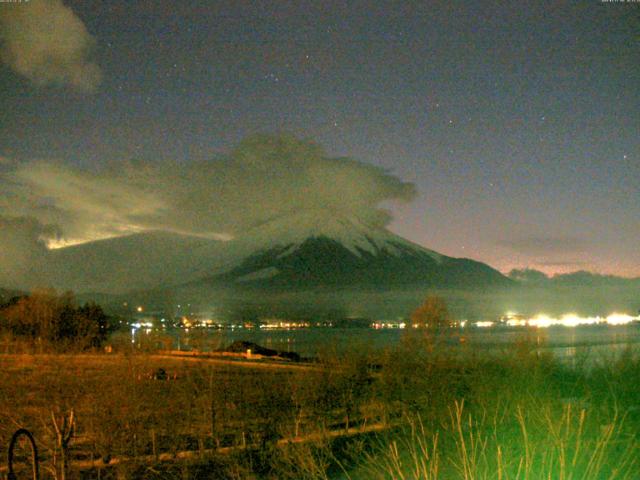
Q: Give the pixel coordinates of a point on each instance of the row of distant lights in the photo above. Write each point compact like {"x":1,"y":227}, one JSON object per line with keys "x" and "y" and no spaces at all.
{"x":539,"y":321}
{"x":511,"y":320}
{"x":567,"y":320}
{"x":284,"y":325}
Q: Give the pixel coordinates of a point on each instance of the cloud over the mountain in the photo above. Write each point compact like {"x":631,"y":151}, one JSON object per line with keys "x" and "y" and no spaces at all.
{"x":82,"y":204}
{"x":265,"y":177}
{"x":46,"y":42}
{"x":22,"y":251}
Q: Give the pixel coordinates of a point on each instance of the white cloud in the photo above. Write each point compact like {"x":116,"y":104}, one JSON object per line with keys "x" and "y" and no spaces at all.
{"x":264,"y":178}
{"x":46,"y":42}
{"x":83,"y":205}
{"x":22,"y":251}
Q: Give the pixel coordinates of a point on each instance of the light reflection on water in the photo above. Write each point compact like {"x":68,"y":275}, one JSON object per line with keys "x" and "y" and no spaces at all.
{"x":597,"y":340}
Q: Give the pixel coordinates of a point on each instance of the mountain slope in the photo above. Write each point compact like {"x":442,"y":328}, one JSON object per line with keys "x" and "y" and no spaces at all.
{"x":310,"y":250}
{"x":580,"y":278}
{"x":322,"y":261}
{"x":131,"y":262}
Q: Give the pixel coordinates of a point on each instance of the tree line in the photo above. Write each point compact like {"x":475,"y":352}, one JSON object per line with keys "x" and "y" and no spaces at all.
{"x":54,"y":320}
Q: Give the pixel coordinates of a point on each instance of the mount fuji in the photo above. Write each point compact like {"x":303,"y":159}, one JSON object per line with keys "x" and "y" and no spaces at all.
{"x":311,"y":250}
{"x":307,"y":250}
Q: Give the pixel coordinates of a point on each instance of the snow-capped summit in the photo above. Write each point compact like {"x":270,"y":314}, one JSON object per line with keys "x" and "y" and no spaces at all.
{"x":350,"y":232}
{"x":325,"y":249}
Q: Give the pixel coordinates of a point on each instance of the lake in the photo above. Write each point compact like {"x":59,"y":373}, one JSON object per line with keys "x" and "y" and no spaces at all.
{"x":564,"y":342}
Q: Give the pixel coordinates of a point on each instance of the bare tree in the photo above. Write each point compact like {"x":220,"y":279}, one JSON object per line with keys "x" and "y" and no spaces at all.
{"x":64,"y":428}
{"x":433,"y":314}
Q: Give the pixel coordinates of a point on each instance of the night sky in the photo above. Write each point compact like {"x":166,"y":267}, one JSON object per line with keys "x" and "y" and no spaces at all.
{"x":517,"y":122}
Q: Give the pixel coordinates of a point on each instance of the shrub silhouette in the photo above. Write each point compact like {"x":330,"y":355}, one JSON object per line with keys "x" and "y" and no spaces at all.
{"x":433,"y":314}
{"x":47,"y":318}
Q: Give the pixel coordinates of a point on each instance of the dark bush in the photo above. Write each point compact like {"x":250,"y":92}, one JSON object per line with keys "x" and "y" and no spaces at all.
{"x":48,"y":318}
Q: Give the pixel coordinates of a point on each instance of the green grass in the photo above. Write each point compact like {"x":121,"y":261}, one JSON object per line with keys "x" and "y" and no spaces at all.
{"x":518,"y":415}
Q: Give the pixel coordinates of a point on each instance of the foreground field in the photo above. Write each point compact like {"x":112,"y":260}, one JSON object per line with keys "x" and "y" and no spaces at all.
{"x":416,"y":411}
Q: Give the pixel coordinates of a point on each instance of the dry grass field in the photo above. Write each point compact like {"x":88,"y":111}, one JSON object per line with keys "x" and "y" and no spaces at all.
{"x":414,"y":411}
